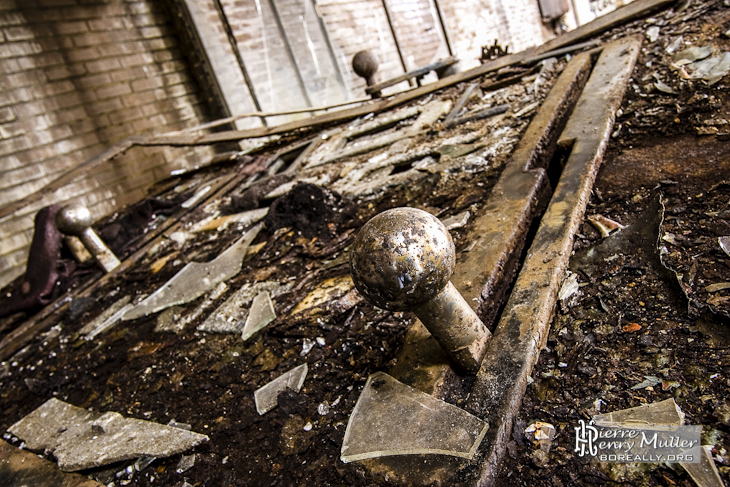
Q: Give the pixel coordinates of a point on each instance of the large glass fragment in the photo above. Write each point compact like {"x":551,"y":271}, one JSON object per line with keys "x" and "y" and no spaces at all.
{"x":665,"y":412}
{"x":230,"y":317}
{"x":267,"y":396}
{"x":704,"y":473}
{"x":391,"y":418}
{"x":82,"y":439}
{"x":196,"y":278}
{"x":262,"y":313}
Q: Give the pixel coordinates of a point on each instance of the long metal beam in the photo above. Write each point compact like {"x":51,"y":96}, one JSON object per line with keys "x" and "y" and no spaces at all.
{"x":290,"y":53}
{"x":444,"y":29}
{"x":239,"y":58}
{"x":389,"y":17}
{"x":523,"y":327}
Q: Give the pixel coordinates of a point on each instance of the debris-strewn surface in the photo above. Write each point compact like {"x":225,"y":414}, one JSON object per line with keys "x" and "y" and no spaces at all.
{"x":624,"y":334}
{"x":194,"y":362}
{"x":647,"y":322}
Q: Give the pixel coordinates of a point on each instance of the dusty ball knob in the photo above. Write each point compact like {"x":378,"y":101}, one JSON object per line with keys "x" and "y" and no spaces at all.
{"x":402,"y":260}
{"x":365,"y":64}
{"x":76,"y":220}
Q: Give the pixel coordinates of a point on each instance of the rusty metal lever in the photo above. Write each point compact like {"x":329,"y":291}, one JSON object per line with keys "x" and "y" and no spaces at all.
{"x":76,"y":220}
{"x":402,"y":260}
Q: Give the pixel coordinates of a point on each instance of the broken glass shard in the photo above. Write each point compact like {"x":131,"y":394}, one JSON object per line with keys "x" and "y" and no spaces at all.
{"x":230,"y":317}
{"x":391,"y":418}
{"x":658,"y":413}
{"x":82,"y":439}
{"x":649,"y":381}
{"x":183,"y":426}
{"x":457,"y":221}
{"x":196,"y":278}
{"x":107,"y":319}
{"x":692,"y":54}
{"x":307,"y":346}
{"x":267,"y":397}
{"x":711,"y":69}
{"x":261,"y":314}
{"x":724,"y":243}
{"x":143,"y":463}
{"x":173,"y":320}
{"x":704,"y":472}
{"x":186,"y":463}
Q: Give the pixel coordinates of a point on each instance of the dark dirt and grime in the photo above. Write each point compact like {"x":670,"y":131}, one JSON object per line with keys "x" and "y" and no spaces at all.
{"x":632,"y":318}
{"x":645,"y":324}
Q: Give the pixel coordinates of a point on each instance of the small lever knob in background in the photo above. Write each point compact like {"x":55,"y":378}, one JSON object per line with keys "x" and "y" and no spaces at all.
{"x":76,"y":220}
{"x":402,"y":260}
{"x":365,"y":65}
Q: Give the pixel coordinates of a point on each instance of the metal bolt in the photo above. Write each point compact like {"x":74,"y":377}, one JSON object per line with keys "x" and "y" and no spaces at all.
{"x":402,"y":260}
{"x":76,"y":220}
{"x":365,"y":64}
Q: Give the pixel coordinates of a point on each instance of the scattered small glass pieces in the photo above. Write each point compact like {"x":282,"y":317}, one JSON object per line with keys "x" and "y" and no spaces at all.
{"x":267,"y":397}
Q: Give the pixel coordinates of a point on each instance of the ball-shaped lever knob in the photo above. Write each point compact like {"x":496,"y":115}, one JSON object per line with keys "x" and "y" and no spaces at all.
{"x":76,"y":220}
{"x":402,"y":260}
{"x":73,"y":219}
{"x":365,"y":65}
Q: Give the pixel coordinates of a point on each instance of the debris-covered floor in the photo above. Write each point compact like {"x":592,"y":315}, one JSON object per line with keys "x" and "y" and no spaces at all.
{"x":189,"y":363}
{"x":646,"y":321}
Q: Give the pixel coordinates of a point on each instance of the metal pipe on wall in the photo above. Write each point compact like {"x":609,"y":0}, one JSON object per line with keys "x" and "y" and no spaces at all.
{"x":395,"y":38}
{"x":290,"y":53}
{"x":330,"y":48}
{"x":444,"y":30}
{"x":239,"y":58}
